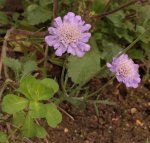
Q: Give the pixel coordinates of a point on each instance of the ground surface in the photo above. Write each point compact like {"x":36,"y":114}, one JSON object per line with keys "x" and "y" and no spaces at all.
{"x":128,"y":122}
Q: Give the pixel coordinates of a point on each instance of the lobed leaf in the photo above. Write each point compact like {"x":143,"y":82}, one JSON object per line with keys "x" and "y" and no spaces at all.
{"x":81,"y":70}
{"x":50,"y":83}
{"x":3,"y":18}
{"x":29,"y":127}
{"x":34,"y":90}
{"x":3,"y":137}
{"x":37,"y":14}
{"x":40,"y":132}
{"x":12,"y":103}
{"x":18,"y":118}
{"x":37,"y":110}
{"x":29,"y":67}
{"x":14,"y":64}
{"x":53,"y":116}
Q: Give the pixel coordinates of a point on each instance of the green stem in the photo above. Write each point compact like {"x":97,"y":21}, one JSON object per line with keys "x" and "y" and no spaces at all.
{"x":45,"y":62}
{"x":100,"y":89}
{"x":62,"y":79}
{"x":22,"y":39}
{"x":134,"y":42}
{"x":124,"y":51}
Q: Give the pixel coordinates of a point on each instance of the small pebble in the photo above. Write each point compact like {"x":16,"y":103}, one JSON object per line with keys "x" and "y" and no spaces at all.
{"x":115,"y":119}
{"x":133,"y":110}
{"x":66,"y":130}
{"x":138,"y":123}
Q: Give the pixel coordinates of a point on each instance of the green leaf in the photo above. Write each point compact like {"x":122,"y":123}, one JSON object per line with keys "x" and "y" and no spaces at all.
{"x":80,"y":104}
{"x":29,"y":67}
{"x":45,"y":2}
{"x":136,"y":54}
{"x":53,"y":116}
{"x":40,"y":132}
{"x":29,"y":127}
{"x":81,"y":70}
{"x":34,"y":90}
{"x":12,"y":103}
{"x":2,"y":2}
{"x":37,"y":110}
{"x":14,"y":64}
{"x":98,"y":5}
{"x":37,"y":14}
{"x":106,"y":102}
{"x":67,"y":2}
{"x":144,"y":15}
{"x":18,"y":118}
{"x":3,"y":137}
{"x":146,"y":49}
{"x":123,"y":33}
{"x":110,"y":50}
{"x":25,"y":86}
{"x":3,"y":18}
{"x":50,"y":83}
{"x":117,"y":18}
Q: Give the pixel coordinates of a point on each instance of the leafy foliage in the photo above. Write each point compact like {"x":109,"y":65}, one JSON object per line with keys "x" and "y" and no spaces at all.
{"x":34,"y":98}
{"x":3,"y":137}
{"x":29,"y":67}
{"x":3,"y":18}
{"x":12,"y":103}
{"x":20,"y":69}
{"x":14,"y":64}
{"x":53,"y":116}
{"x":34,"y":91}
{"x":83,"y":69}
{"x":37,"y":14}
{"x":37,"y":110}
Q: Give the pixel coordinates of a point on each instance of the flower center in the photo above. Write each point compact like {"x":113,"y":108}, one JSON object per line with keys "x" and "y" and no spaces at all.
{"x":69,"y":33}
{"x":125,"y":69}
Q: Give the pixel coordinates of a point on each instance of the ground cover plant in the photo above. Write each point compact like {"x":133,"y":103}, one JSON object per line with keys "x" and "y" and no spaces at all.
{"x":75,"y":71}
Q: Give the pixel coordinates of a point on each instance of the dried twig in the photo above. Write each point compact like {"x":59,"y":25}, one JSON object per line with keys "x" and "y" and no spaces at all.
{"x":66,"y":113}
{"x":2,"y":90}
{"x":3,"y":52}
{"x":29,"y":33}
{"x":106,"y":6}
{"x":55,"y":8}
{"x":115,"y":10}
{"x":4,"y":86}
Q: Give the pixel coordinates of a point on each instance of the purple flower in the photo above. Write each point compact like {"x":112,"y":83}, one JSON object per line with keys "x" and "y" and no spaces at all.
{"x":69,"y":35}
{"x":126,"y":70}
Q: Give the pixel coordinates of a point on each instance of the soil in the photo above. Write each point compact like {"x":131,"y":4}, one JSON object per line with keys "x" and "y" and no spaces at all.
{"x":127,"y":122}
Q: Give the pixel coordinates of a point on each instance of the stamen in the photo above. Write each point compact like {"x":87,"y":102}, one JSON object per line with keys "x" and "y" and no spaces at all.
{"x":124,"y":68}
{"x":69,"y":33}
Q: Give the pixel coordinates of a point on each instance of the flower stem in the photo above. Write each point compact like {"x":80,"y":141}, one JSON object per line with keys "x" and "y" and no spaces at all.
{"x":62,"y":79}
{"x":115,"y":10}
{"x":100,"y":89}
{"x":134,"y":42}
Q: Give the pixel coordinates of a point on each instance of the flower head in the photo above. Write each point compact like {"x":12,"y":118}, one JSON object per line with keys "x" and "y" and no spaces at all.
{"x":69,"y":35}
{"x":126,"y":70}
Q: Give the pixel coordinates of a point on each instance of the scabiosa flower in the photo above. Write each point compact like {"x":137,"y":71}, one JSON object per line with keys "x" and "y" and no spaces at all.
{"x":126,"y":70}
{"x":69,"y":35}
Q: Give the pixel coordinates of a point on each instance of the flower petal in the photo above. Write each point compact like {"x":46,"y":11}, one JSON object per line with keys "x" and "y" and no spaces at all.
{"x":79,"y":53}
{"x":52,"y":31}
{"x":84,"y":47}
{"x":86,"y":27}
{"x":50,"y":40}
{"x":58,"y":22}
{"x":71,"y":50}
